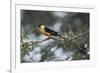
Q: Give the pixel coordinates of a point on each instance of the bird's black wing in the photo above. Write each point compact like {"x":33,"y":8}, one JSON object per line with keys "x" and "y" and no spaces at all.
{"x":50,"y":31}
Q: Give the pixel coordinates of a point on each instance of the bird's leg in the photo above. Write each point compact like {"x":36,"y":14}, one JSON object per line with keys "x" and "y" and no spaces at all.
{"x":50,"y":37}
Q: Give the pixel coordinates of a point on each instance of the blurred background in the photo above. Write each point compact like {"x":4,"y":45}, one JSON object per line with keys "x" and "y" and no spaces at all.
{"x":74,"y":26}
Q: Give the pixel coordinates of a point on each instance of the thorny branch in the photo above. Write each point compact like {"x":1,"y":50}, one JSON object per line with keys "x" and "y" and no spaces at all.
{"x":80,"y":35}
{"x":58,"y":39}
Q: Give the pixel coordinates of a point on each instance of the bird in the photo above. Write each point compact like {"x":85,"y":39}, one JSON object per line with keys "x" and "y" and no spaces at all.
{"x":47,"y":31}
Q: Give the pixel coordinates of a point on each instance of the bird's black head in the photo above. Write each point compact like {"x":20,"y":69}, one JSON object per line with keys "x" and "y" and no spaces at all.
{"x":40,"y":25}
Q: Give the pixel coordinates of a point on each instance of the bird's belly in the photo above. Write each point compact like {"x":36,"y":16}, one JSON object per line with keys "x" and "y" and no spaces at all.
{"x":47,"y":34}
{"x":44,"y":32}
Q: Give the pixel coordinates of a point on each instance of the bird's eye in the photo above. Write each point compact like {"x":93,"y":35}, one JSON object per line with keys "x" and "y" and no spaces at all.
{"x":40,"y":25}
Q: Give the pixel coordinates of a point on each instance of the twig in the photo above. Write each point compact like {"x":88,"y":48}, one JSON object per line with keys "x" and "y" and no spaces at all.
{"x":43,"y":40}
{"x":68,"y":57}
{"x":81,"y":49}
{"x":58,"y":39}
{"x":80,"y":35}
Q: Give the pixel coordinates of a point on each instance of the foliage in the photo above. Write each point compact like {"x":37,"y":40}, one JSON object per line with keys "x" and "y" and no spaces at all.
{"x":74,"y":43}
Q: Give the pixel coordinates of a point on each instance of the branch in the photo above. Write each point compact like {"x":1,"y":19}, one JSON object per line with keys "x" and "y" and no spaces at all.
{"x":68,"y":57}
{"x":58,"y":39}
{"x":80,"y":35}
{"x":43,"y":40}
{"x":81,"y":49}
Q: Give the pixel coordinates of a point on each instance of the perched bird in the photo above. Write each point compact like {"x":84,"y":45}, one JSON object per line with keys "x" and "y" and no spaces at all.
{"x":47,"y":31}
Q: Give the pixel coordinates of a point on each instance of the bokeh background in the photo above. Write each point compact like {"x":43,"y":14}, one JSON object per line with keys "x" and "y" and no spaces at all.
{"x":68,"y":24}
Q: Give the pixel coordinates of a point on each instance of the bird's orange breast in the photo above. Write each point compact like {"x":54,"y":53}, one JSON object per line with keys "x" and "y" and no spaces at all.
{"x":44,"y":32}
{"x":47,"y":34}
